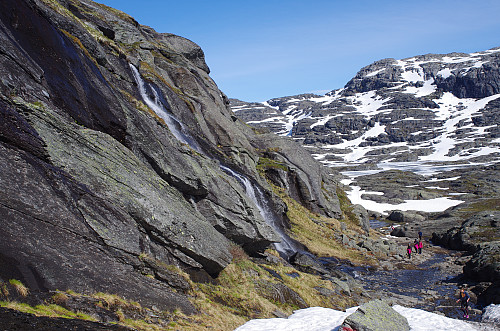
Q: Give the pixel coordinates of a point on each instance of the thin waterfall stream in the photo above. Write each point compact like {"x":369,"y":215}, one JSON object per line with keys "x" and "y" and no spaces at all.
{"x":286,"y":246}
{"x":175,"y":126}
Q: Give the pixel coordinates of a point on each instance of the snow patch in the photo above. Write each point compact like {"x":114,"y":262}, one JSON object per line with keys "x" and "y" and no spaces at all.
{"x":431,"y":205}
{"x":374,"y":73}
{"x":444,"y":73}
{"x":326,"y":319}
{"x":427,"y":89}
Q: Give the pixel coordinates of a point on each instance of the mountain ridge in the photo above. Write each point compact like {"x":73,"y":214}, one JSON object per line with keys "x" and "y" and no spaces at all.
{"x":391,"y":101}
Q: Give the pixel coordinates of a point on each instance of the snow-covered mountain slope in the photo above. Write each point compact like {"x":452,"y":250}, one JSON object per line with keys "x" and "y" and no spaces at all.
{"x":424,"y":108}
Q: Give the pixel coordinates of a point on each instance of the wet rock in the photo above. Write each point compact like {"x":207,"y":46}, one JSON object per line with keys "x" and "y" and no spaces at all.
{"x":308,"y":263}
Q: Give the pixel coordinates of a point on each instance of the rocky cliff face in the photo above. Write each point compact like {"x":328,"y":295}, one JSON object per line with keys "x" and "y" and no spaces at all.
{"x":94,"y":183}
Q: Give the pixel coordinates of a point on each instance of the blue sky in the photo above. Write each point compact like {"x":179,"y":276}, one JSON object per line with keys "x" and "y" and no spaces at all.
{"x":258,"y":50}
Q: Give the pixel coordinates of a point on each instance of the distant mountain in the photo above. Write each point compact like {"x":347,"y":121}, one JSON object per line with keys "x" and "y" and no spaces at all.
{"x":428,"y":108}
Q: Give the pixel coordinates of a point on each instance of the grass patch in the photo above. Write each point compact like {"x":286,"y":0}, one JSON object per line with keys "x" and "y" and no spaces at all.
{"x":112,"y":300}
{"x":265,"y":163}
{"x":20,"y":287}
{"x":346,"y":207}
{"x":486,"y":234}
{"x":318,"y":233}
{"x":50,"y":310}
{"x":118,"y":13}
{"x":60,"y":298}
{"x":60,"y":9}
{"x":232,"y":300}
{"x":238,"y":295}
{"x":483,"y":205}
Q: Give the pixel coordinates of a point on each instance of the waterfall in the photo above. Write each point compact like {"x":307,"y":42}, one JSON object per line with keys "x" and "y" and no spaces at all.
{"x":154,"y":102}
{"x":286,"y":246}
{"x":152,"y":99}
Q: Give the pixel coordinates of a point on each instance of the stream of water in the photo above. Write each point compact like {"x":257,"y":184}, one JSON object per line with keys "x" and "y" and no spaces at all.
{"x":431,"y":288}
{"x":152,"y":98}
{"x":286,"y":246}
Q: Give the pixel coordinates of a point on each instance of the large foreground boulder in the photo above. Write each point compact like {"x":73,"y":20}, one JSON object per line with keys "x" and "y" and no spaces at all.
{"x":374,"y":316}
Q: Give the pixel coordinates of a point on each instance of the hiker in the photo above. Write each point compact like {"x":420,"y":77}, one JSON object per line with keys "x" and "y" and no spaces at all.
{"x":420,"y":246}
{"x":416,"y":245}
{"x":420,"y":235}
{"x":464,"y":302}
{"x":408,"y":251}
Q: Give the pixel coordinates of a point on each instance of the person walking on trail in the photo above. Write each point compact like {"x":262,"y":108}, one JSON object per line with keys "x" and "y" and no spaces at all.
{"x":420,"y":246}
{"x":420,"y":235}
{"x":464,"y":302}
{"x":408,"y":251}
{"x":415,"y":244}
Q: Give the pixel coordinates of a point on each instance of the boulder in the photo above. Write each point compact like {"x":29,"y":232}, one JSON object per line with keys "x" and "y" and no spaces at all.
{"x":375,"y":315}
{"x":477,"y":229}
{"x":405,"y":217}
{"x":280,"y":292}
{"x":491,"y":314}
{"x":399,"y":231}
{"x":364,"y":219}
{"x":491,"y":295}
{"x":307,"y":263}
{"x":485,"y":263}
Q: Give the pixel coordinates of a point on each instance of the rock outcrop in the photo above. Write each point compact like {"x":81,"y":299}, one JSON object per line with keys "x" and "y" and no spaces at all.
{"x":14,"y":320}
{"x":95,"y":186}
{"x":478,"y":236}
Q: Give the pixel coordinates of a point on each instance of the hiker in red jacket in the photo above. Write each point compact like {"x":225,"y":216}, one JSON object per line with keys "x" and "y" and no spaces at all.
{"x":416,"y":245}
{"x":408,"y":251}
{"x":420,"y":246}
